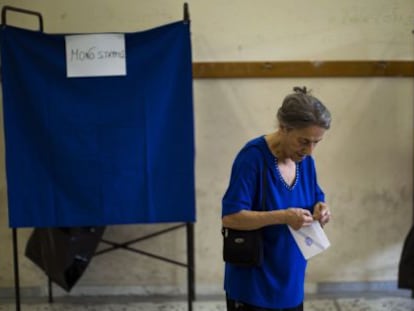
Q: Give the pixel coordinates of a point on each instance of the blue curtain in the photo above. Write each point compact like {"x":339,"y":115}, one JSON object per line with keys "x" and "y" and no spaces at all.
{"x":99,"y":150}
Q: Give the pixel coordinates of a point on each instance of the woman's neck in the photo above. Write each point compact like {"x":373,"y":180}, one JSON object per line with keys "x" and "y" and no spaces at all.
{"x":275,"y":144}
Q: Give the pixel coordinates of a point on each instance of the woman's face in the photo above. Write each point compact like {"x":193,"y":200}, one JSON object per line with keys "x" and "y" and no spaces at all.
{"x":300,"y":143}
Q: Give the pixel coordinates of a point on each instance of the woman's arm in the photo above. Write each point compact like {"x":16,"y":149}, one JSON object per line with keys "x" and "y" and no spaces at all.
{"x":322,"y":213}
{"x":251,"y":220}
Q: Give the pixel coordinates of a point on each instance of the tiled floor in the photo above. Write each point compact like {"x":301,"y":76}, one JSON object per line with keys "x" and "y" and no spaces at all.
{"x":364,"y":303}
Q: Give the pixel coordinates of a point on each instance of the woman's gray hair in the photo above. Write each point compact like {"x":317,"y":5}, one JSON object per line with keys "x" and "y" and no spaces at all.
{"x":300,"y":110}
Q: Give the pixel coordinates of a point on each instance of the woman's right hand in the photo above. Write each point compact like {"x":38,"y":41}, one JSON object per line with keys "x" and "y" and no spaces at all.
{"x":298,"y":217}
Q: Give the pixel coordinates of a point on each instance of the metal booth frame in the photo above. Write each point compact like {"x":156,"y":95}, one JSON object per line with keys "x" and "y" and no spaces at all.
{"x":189,"y":227}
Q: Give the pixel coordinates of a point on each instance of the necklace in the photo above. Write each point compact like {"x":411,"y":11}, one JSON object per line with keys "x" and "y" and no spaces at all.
{"x":288,"y":187}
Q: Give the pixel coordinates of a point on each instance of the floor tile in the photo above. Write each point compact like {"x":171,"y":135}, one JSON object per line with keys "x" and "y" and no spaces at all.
{"x":334,"y":304}
{"x":379,"y":304}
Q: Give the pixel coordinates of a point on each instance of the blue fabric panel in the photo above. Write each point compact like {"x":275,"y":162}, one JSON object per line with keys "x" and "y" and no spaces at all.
{"x":99,"y":150}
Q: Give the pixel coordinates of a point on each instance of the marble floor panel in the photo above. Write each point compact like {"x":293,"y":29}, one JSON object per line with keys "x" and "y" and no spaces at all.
{"x":332,"y":304}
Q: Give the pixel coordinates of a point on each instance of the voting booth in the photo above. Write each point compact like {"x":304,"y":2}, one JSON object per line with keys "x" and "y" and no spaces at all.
{"x":99,"y":131}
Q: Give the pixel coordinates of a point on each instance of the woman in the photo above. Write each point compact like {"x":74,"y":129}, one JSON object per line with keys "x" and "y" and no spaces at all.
{"x":293,"y":198}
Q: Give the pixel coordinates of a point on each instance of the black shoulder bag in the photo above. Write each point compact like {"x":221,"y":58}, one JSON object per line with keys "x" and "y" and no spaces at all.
{"x":244,"y":248}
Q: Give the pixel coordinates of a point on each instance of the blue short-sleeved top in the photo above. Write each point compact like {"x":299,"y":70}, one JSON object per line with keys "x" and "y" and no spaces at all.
{"x":279,"y":282}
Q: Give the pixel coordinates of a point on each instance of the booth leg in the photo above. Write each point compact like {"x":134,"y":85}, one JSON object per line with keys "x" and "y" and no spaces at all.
{"x":50,"y":289}
{"x":16,"y":269}
{"x":190,"y":267}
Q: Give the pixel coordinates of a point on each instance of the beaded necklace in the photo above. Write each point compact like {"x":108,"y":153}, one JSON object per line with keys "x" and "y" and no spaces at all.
{"x":290,"y":188}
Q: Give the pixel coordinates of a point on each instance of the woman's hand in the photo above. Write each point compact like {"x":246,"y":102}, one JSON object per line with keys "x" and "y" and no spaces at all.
{"x":298,"y":217}
{"x":321,"y":213}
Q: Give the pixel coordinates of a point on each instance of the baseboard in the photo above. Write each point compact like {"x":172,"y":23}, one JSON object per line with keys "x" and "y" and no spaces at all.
{"x":343,"y":289}
{"x":202,"y":291}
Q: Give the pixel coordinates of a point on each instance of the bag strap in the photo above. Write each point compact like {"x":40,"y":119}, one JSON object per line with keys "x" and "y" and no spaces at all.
{"x":264,"y":185}
{"x":264,"y":181}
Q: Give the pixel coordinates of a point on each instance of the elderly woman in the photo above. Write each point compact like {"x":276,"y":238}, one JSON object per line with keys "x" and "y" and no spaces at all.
{"x":293,"y":198}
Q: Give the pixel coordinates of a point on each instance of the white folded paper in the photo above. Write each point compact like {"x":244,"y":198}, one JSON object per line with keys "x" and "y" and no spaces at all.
{"x":311,"y":240}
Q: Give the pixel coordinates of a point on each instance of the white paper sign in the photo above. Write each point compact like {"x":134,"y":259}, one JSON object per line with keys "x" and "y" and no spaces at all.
{"x":311,"y":240}
{"x":95,"y":55}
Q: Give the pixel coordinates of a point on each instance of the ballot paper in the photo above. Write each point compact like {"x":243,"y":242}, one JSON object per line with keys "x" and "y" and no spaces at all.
{"x":311,"y":240}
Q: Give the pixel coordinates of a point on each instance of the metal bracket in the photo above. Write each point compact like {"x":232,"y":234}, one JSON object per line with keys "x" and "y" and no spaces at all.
{"x":186,"y":14}
{"x":19,"y":10}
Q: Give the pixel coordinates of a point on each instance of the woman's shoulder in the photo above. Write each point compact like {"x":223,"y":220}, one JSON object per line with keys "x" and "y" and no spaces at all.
{"x":309,"y":160}
{"x":254,"y":148}
{"x":256,"y":142}
{"x":308,"y":163}
{"x":252,"y":152}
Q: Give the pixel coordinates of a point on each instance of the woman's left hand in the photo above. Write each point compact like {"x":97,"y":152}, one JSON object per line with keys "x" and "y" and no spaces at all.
{"x":321,"y":213}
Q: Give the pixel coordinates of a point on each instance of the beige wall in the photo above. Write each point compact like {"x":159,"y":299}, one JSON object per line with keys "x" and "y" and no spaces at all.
{"x":364,"y":163}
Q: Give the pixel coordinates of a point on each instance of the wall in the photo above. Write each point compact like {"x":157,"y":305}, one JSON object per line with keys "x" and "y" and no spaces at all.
{"x":364,"y":162}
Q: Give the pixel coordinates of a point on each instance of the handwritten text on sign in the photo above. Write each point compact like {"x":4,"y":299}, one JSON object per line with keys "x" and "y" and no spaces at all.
{"x":95,"y":55}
